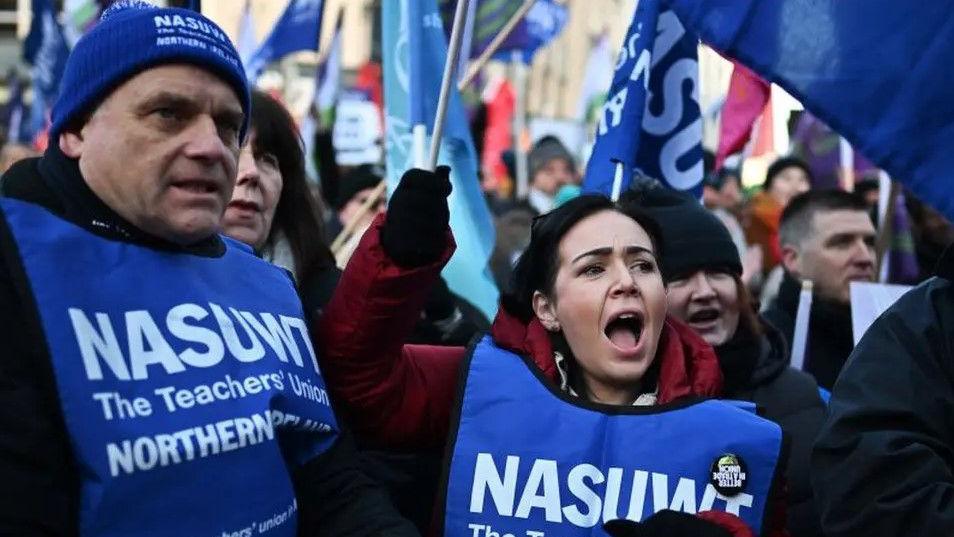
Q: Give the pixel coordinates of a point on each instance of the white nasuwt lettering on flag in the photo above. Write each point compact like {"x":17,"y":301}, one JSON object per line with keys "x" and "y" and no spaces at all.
{"x":209,"y":333}
{"x":595,"y":492}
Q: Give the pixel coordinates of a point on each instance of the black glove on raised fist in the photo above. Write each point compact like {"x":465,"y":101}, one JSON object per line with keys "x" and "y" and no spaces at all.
{"x":414,"y":232}
{"x":665,"y":524}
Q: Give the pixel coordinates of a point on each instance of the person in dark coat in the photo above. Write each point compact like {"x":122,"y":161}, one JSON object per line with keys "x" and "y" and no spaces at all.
{"x":703,"y":272}
{"x":828,"y":238}
{"x":883,"y":464}
{"x":119,"y":221}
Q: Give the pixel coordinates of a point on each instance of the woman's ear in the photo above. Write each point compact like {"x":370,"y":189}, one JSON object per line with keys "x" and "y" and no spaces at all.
{"x":71,"y":143}
{"x":545,"y":310}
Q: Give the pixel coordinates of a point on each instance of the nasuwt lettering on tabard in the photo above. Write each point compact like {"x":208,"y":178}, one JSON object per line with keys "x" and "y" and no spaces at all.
{"x":203,"y":337}
{"x":594,"y":492}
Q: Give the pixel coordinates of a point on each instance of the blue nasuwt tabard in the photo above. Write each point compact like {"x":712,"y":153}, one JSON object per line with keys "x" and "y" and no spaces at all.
{"x":531,"y":461}
{"x":188,"y":384}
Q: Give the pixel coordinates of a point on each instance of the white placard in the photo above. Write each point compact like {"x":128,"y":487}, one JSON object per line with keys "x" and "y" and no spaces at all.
{"x":870,"y":300}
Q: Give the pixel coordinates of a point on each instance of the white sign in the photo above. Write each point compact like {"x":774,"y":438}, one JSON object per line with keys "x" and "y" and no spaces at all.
{"x":869,"y":301}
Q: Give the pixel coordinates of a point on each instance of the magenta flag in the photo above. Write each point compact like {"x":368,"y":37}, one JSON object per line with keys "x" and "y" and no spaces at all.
{"x":747,"y":96}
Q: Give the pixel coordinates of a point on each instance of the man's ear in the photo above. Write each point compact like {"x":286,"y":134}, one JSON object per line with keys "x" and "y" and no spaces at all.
{"x":791,"y":259}
{"x":545,"y":310}
{"x":71,"y":143}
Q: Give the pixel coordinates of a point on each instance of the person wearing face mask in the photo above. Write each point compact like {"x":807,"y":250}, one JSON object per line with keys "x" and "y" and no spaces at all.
{"x":579,"y":406}
{"x":786,"y":178}
{"x":273,"y":211}
{"x":705,"y":290}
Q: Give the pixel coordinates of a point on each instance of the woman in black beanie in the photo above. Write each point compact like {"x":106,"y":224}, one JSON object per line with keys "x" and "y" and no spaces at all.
{"x":702,"y":269}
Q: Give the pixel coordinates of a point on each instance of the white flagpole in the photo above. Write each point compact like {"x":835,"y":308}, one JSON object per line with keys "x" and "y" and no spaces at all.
{"x":846,"y":158}
{"x":453,"y":52}
{"x":800,"y":335}
{"x":617,"y":182}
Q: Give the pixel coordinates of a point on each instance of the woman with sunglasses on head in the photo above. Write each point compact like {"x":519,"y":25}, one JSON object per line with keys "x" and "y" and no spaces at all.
{"x":578,"y":408}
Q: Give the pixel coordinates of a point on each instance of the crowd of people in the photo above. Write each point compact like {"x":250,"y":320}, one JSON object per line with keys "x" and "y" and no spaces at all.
{"x":189,"y":351}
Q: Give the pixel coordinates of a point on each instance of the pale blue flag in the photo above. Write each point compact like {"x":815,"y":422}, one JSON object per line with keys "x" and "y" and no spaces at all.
{"x":467,"y":273}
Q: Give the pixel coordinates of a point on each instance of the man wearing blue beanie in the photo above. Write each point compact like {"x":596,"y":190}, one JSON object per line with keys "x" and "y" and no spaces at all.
{"x":155,"y":377}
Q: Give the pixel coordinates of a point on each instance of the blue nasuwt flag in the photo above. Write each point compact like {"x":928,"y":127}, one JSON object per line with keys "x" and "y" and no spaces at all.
{"x":877,"y":71}
{"x":659,"y":92}
{"x":297,"y":29}
{"x":466,"y":273}
{"x":46,"y":50}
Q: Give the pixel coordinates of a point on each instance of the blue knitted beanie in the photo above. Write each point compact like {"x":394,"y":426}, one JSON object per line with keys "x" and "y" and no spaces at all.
{"x":132,"y":36}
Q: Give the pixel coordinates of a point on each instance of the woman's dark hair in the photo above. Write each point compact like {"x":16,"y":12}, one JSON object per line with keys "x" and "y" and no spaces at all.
{"x":297,"y":216}
{"x":748,"y":313}
{"x":537,"y":267}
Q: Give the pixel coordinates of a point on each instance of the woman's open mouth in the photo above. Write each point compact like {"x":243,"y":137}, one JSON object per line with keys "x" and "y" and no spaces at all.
{"x":704,"y":319}
{"x":624,"y":331}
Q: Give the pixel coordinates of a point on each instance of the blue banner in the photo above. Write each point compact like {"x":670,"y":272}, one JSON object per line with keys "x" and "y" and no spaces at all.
{"x":877,"y":71}
{"x":651,"y":121}
{"x":467,"y":273}
{"x":297,"y":29}
{"x":46,"y":50}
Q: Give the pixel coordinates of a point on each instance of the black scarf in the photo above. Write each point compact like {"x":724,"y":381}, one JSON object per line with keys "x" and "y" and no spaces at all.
{"x":737,"y":359}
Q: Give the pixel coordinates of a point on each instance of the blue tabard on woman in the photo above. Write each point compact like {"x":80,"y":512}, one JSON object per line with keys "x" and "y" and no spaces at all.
{"x":188,"y":384}
{"x":529,"y":461}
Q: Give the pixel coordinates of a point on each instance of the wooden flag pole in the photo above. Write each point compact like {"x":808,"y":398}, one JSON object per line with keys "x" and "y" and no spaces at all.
{"x":349,"y":229}
{"x":494,"y":45}
{"x":453,"y":52}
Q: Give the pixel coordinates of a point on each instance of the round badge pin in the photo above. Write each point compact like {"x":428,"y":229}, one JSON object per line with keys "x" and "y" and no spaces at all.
{"x":728,"y":474}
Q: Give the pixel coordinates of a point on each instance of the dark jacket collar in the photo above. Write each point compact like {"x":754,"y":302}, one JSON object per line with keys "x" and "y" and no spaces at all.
{"x":945,"y":265}
{"x":749,"y":361}
{"x":832,"y":315}
{"x":61,"y":188}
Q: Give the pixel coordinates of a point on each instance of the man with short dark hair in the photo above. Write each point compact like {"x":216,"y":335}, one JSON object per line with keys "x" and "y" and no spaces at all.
{"x":828,"y":238}
{"x":155,"y":377}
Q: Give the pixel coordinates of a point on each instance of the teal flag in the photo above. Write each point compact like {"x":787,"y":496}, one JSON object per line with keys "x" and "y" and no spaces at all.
{"x":467,"y":273}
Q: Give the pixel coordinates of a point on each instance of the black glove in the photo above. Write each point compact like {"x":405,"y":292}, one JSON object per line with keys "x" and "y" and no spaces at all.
{"x":665,"y":523}
{"x":414,"y":232}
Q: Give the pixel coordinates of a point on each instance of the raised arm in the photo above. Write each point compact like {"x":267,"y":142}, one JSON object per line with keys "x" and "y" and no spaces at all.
{"x":394,"y":396}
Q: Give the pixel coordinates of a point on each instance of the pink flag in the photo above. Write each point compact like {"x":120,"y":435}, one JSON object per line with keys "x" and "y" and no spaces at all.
{"x":748,"y":95}
{"x":498,"y":137}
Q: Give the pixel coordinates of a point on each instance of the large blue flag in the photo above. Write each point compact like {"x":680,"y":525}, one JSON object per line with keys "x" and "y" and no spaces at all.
{"x":46,"y":50}
{"x":651,"y":122}
{"x":877,"y":71}
{"x":297,"y":29}
{"x":412,"y":79}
